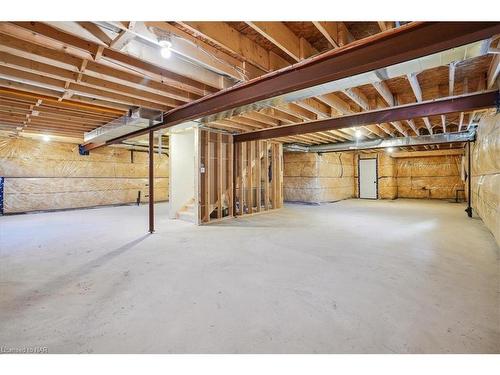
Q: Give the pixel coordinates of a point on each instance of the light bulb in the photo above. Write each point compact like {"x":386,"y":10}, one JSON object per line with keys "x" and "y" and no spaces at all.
{"x":358,"y":134}
{"x":389,"y":149}
{"x":166,"y":48}
{"x":46,"y":138}
{"x":165,"y":52}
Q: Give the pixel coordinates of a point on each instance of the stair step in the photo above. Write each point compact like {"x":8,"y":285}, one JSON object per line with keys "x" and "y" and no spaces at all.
{"x":187,"y":212}
{"x":186,"y":216}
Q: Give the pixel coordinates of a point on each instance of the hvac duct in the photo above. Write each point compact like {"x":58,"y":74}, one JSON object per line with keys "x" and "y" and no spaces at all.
{"x":420,"y":140}
{"x":138,"y":118}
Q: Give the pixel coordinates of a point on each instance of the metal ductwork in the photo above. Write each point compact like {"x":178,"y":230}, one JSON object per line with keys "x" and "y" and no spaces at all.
{"x":138,"y":118}
{"x":420,"y":140}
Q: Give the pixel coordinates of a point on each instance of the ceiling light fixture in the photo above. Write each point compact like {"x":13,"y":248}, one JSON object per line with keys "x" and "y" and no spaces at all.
{"x":358,"y":134}
{"x":166,"y":48}
{"x":46,"y":138}
{"x":389,"y":149}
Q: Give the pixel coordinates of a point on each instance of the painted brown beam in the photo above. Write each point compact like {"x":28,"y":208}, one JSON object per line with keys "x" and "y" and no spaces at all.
{"x":408,"y":42}
{"x":429,"y":108}
{"x":398,"y":45}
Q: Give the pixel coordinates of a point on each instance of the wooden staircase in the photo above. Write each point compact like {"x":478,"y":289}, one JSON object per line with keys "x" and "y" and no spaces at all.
{"x":187,"y":212}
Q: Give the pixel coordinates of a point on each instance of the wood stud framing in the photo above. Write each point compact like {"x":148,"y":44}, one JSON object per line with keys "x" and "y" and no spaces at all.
{"x":259,"y":177}
{"x":216,"y":176}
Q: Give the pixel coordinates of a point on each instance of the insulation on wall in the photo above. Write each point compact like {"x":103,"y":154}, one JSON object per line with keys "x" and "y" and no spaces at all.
{"x":53,"y":175}
{"x":434,"y":177}
{"x":330,"y":177}
{"x":316,"y":178}
{"x":486,"y":173}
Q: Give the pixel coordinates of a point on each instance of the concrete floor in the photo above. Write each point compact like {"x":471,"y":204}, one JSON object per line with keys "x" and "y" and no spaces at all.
{"x":351,"y":277}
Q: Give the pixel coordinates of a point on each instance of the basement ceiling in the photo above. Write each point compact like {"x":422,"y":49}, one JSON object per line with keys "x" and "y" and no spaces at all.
{"x":67,"y":78}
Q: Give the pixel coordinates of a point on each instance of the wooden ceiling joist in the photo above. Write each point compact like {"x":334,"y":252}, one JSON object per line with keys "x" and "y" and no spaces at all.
{"x":330,"y":30}
{"x":402,"y":44}
{"x":172,"y":78}
{"x":417,"y":91}
{"x":494,"y":69}
{"x":223,"y":35}
{"x":95,"y":73}
{"x":78,"y":62}
{"x":108,"y":91}
{"x":282,"y":37}
{"x":422,"y":109}
{"x":28,"y":111}
{"x":298,"y":49}
{"x":97,"y":32}
{"x":68,"y":104}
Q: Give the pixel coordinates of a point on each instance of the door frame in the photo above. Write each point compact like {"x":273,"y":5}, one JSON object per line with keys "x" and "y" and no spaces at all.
{"x":359,"y":176}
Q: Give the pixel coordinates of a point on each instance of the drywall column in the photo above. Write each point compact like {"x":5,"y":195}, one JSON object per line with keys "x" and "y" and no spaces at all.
{"x":151,"y":183}
{"x":183,"y":152}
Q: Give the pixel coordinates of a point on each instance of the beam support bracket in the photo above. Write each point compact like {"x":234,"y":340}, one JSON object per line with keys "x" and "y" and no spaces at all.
{"x":82,"y":151}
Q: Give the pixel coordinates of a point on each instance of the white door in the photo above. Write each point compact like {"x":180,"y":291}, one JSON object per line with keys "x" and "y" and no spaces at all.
{"x":368,"y":178}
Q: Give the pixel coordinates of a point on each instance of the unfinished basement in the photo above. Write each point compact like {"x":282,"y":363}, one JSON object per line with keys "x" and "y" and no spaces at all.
{"x":250,"y":187}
